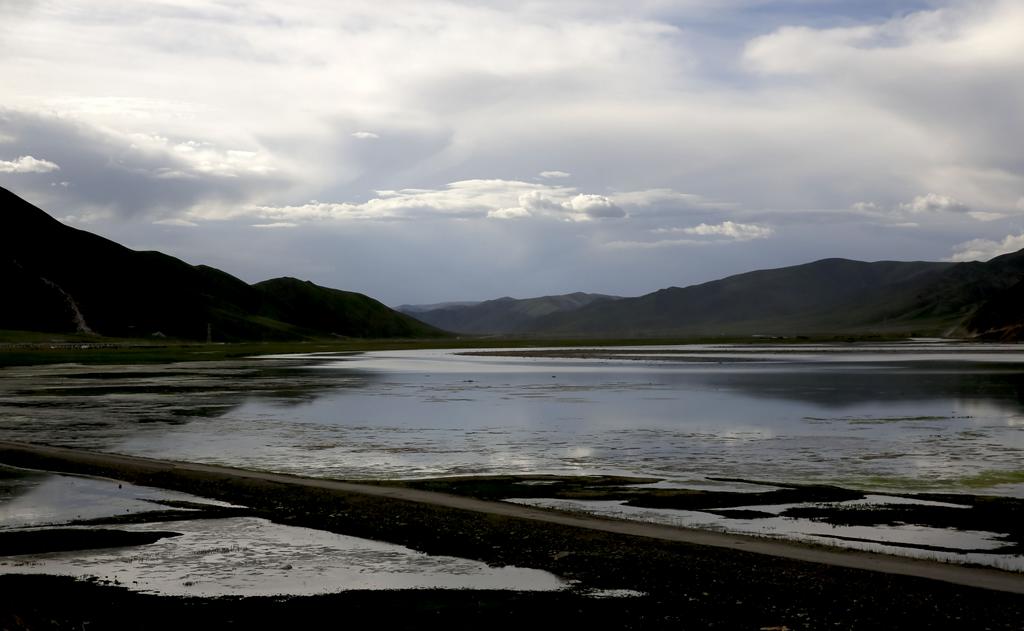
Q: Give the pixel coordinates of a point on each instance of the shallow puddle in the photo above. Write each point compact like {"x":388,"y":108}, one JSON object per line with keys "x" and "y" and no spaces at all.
{"x":32,"y":498}
{"x":963,"y":546}
{"x":248,"y":556}
{"x":241,"y":556}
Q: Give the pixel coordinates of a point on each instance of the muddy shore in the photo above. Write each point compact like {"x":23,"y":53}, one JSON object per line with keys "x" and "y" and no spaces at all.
{"x":685,"y":585}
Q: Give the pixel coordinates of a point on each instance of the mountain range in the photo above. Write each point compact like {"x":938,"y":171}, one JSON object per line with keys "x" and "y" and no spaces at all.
{"x":502,"y":316}
{"x":56,"y":278}
{"x":826,"y":297}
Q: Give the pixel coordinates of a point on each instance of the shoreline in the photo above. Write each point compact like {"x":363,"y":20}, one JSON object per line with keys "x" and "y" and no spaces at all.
{"x":140,"y":470}
{"x":680,"y":570}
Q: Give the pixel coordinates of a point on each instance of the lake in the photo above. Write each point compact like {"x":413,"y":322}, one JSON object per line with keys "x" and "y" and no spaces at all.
{"x":914,"y":416}
{"x":918,"y":416}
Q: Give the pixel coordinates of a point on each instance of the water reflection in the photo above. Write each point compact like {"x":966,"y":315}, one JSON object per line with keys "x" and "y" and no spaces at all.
{"x":100,"y":407}
{"x":941,"y":419}
{"x":854,"y":385}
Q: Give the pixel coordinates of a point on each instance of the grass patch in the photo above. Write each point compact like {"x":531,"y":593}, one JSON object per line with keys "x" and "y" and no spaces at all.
{"x":26,"y":348}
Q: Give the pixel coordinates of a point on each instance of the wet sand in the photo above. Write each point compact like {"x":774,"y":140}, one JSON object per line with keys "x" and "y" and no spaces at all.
{"x":692,"y":576}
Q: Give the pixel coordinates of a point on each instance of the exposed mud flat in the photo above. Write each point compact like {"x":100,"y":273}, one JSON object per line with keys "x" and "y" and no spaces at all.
{"x":956,"y":528}
{"x":670,"y":584}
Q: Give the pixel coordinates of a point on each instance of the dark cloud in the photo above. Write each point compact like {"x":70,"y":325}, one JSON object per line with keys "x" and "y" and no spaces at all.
{"x":120,"y":175}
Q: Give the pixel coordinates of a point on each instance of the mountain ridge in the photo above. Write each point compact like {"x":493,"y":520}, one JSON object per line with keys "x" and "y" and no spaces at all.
{"x":505,"y":315}
{"x":61,"y":279}
{"x":825,"y":297}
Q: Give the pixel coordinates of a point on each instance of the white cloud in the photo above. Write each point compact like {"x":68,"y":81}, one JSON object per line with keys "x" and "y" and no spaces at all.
{"x":537,"y":203}
{"x":181,"y":223}
{"x":516,"y":212}
{"x":956,"y":36}
{"x":594,"y":207}
{"x":985,"y":249}
{"x":464,"y":199}
{"x":27,"y":164}
{"x":666,"y":197}
{"x":868,"y":208}
{"x":928,"y":208}
{"x":917,"y":76}
{"x":626,"y":244}
{"x":276,"y":224}
{"x":934,"y":203}
{"x":88,"y":217}
{"x":554,"y":175}
{"x":727,"y":229}
{"x":981,"y":215}
{"x":567,"y":83}
{"x":725,"y":232}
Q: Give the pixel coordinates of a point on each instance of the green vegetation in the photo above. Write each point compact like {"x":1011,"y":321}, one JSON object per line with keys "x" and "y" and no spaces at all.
{"x":21,"y":348}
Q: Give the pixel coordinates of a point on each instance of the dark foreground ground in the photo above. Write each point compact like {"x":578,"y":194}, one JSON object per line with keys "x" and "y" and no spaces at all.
{"x":686,"y":586}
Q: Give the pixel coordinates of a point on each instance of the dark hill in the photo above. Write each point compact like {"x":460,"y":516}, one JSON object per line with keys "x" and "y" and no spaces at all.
{"x":1001,"y":316}
{"x":502,"y":315}
{"x":60,"y":279}
{"x":331,"y":310}
{"x":831,"y":296}
{"x":415,"y":309}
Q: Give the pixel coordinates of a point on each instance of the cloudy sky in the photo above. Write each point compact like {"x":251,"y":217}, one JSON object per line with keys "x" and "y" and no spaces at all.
{"x":431,"y":150}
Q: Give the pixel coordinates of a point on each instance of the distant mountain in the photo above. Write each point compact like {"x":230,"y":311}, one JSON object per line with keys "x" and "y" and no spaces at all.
{"x":59,"y":279}
{"x":827,"y":297}
{"x":831,"y":296}
{"x":414,"y":309}
{"x":503,"y":315}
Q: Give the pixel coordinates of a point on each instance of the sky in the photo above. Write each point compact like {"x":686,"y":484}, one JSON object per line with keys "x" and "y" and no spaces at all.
{"x":430,"y":150}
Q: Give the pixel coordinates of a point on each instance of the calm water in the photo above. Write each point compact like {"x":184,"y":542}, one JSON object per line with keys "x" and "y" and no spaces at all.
{"x":922,"y":416}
